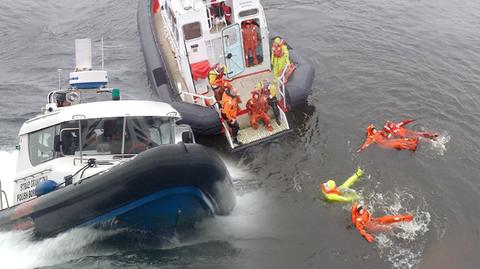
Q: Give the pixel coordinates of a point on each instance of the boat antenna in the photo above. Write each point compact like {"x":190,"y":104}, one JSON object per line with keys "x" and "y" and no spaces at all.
{"x":59,"y":71}
{"x":102,"y":51}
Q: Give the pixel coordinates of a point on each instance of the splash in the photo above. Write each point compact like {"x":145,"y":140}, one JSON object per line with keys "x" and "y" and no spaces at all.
{"x":403,"y":246}
{"x":18,"y":250}
{"x":438,"y":147}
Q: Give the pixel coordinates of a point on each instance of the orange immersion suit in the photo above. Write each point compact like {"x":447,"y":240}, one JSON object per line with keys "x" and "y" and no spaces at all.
{"x":257,"y":108}
{"x":375,"y":136}
{"x":398,"y":129}
{"x":250,"y":42}
{"x":363,"y":221}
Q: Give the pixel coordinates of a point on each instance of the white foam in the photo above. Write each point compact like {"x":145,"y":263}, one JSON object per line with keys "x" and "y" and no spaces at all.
{"x":438,"y":146}
{"x":18,"y":250}
{"x":404,"y":245}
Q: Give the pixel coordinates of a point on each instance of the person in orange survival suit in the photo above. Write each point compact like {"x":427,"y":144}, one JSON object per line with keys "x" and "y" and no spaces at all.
{"x":227,"y":12}
{"x":375,"y":136}
{"x":257,"y":108}
{"x":363,"y":221}
{"x":216,"y":79}
{"x":398,"y":129}
{"x":230,"y":107}
{"x":250,"y":41}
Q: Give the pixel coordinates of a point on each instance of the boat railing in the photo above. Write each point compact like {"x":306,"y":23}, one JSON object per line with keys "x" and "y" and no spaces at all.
{"x":3,"y":194}
{"x":227,"y":134}
{"x":201,"y":100}
{"x":281,"y":86}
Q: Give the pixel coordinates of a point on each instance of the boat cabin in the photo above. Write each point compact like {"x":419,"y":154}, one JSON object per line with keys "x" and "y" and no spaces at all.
{"x":195,"y":35}
{"x":62,"y":141}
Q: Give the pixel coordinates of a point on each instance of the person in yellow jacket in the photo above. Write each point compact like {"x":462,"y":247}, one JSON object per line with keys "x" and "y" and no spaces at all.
{"x":343,"y":193}
{"x":280,"y":56}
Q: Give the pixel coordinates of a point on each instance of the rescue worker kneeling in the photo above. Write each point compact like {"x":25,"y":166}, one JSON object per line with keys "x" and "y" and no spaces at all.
{"x":363,"y":221}
{"x":217,"y":81}
{"x":230,"y":107}
{"x":257,"y":109}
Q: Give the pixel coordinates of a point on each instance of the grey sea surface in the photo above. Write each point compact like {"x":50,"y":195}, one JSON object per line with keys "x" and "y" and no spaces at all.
{"x":374,"y":60}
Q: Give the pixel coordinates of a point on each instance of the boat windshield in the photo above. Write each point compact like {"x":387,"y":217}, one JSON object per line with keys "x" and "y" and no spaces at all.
{"x":119,"y":135}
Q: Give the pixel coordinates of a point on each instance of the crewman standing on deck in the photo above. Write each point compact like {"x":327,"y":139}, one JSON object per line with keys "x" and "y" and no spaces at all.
{"x":250,"y":41}
{"x":230,"y":107}
{"x":269,"y":90}
{"x":280,"y":56}
{"x":216,"y":79}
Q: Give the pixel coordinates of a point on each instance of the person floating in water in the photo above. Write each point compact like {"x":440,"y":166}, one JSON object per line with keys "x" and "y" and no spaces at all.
{"x":343,"y":193}
{"x":381,"y":138}
{"x":398,"y":130}
{"x":364,"y":222}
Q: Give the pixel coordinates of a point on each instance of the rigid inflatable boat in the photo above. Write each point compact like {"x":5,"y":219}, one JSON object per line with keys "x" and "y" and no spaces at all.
{"x":183,"y":40}
{"x":122,"y":162}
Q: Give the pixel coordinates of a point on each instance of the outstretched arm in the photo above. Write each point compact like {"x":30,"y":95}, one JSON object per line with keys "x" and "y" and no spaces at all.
{"x":353,"y":179}
{"x":365,"y":145}
{"x":338,"y":198}
{"x":365,"y":235}
{"x":405,"y":122}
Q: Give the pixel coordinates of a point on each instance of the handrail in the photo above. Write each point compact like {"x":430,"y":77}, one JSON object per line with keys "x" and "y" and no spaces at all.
{"x":281,"y":80}
{"x":2,"y":192}
{"x":203,"y":98}
{"x":33,"y":175}
{"x":227,"y":134}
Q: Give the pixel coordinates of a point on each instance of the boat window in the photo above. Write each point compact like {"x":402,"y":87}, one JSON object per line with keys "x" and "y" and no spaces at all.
{"x":248,"y":12}
{"x":40,"y":145}
{"x":69,"y":137}
{"x":105,"y":135}
{"x":192,"y":30}
{"x":102,"y":136}
{"x":146,"y":132}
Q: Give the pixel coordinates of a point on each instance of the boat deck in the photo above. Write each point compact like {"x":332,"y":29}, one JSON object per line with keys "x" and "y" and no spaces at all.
{"x":248,"y":134}
{"x":245,"y":85}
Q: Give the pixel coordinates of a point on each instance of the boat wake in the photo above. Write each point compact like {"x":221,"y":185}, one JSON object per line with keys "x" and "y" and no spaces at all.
{"x":18,"y":250}
{"x":402,"y":246}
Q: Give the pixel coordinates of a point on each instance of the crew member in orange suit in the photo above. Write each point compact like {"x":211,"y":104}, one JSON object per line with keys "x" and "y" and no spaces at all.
{"x":364,"y":222}
{"x":250,"y":41}
{"x":257,"y":108}
{"x":398,"y":129}
{"x":230,"y":107}
{"x":379,"y":137}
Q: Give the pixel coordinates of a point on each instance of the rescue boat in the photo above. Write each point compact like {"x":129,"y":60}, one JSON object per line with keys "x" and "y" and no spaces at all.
{"x":91,"y":158}
{"x":183,"y":40}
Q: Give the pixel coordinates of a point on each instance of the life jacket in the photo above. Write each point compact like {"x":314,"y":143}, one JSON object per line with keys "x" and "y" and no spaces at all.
{"x":327,"y":190}
{"x":215,"y":78}
{"x":229,"y":106}
{"x":363,"y":218}
{"x":278,"y":49}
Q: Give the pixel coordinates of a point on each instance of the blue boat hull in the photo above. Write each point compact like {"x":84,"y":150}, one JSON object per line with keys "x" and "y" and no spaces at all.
{"x":160,"y":211}
{"x":162,"y":188}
